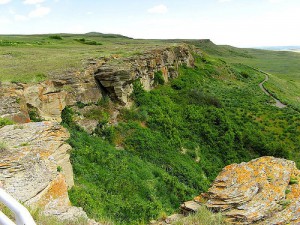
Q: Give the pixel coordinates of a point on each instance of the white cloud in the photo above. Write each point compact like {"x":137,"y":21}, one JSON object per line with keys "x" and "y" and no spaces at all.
{"x":224,"y":1}
{"x":20,"y":18}
{"x":275,"y":1}
{"x":4,"y":21}
{"x":39,"y":12}
{"x":158,"y":9}
{"x":2,"y":2}
{"x":32,"y":2}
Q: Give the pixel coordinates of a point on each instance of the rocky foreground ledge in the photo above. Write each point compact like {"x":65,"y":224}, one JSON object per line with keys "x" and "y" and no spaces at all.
{"x":36,"y":170}
{"x":262,"y":191}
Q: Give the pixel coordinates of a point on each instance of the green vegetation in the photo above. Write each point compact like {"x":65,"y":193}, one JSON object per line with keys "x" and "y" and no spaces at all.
{"x":56,"y":37}
{"x":57,"y":54}
{"x":176,"y":139}
{"x":285,"y":203}
{"x":293,"y":180}
{"x":87,"y":42}
{"x":59,"y":169}
{"x":33,"y":114}
{"x":3,"y":146}
{"x":202,"y":217}
{"x":117,"y":184}
{"x":5,"y":121}
{"x":284,"y":67}
{"x":158,"y":78}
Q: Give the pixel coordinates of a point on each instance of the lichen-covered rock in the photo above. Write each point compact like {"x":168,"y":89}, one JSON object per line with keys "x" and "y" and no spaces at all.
{"x":35,"y":166}
{"x":117,"y":76}
{"x":262,"y":191}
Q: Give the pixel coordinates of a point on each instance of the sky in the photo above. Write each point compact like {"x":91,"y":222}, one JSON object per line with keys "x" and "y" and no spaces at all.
{"x":241,"y":23}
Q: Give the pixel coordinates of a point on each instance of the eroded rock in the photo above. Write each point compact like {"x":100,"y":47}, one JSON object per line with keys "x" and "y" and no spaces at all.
{"x":262,"y":191}
{"x":12,"y":103}
{"x":35,"y":167}
{"x":117,"y":76}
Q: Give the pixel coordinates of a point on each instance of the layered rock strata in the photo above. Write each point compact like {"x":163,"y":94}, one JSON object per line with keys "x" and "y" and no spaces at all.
{"x":35,"y":167}
{"x":263,"y":191}
{"x":117,"y":76}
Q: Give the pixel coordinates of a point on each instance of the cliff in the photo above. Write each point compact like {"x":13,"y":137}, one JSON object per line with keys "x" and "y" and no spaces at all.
{"x":34,"y":165}
{"x":117,"y":76}
{"x":103,"y":76}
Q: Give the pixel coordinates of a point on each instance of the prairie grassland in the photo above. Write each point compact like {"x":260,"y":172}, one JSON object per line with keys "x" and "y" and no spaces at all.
{"x":33,"y":58}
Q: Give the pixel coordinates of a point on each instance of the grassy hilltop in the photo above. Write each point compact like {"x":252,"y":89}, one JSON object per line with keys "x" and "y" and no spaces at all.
{"x":177,"y":137}
{"x":32,"y":58}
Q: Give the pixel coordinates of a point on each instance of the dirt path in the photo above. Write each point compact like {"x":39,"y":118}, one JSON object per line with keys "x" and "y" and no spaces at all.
{"x":278,"y":103}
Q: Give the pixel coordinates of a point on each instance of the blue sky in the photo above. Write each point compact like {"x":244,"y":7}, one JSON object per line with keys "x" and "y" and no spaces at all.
{"x":242,"y":23}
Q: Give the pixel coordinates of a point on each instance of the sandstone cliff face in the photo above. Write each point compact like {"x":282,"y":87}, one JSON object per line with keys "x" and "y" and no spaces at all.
{"x":262,"y":191}
{"x":35,"y":167}
{"x":117,"y":76}
{"x":47,"y":99}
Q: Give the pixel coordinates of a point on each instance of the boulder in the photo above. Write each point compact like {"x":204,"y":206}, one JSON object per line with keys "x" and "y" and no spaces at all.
{"x":262,"y":191}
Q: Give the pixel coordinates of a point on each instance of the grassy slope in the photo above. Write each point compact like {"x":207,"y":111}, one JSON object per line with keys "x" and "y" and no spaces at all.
{"x":176,"y":140}
{"x":284,"y":68}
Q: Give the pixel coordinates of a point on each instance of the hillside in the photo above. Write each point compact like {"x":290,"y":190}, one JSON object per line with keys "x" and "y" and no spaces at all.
{"x":283,"y":66}
{"x":151,"y":122}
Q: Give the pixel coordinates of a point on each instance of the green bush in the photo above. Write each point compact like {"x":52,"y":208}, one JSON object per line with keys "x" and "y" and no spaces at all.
{"x":55,"y":37}
{"x":34,"y":115}
{"x":88,"y":42}
{"x":159,"y":78}
{"x":5,"y":121}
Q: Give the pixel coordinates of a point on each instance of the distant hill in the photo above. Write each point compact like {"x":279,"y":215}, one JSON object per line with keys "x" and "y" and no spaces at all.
{"x":97,"y":34}
{"x":280,"y":48}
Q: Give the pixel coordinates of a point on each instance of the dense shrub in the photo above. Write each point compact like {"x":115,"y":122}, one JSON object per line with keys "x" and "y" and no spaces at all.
{"x":159,"y":78}
{"x":55,"y":37}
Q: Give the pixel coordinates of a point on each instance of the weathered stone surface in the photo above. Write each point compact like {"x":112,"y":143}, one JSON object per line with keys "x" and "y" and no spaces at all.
{"x":12,"y":103}
{"x":262,"y":191}
{"x":35,"y":167}
{"x":117,"y":76}
{"x":47,"y":99}
{"x":190,"y":207}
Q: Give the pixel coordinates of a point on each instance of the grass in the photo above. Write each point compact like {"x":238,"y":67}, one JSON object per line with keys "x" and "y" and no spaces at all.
{"x":283,"y":66}
{"x":202,"y":217}
{"x":57,"y":54}
{"x":4,"y":122}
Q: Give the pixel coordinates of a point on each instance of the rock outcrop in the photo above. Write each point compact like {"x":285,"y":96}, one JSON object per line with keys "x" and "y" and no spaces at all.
{"x":35,"y":167}
{"x":13,"y":104}
{"x":113,"y":76}
{"x":116,"y":76}
{"x":46,"y":100}
{"x":262,"y":191}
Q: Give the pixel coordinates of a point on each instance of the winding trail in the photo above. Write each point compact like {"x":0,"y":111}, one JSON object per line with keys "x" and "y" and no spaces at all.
{"x":278,"y":103}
